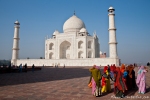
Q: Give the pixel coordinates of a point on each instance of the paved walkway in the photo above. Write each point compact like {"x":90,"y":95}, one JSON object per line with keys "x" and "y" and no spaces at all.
{"x":56,"y":84}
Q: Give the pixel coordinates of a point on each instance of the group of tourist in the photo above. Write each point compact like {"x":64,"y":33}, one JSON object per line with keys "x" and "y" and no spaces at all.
{"x":22,"y":66}
{"x":123,"y":78}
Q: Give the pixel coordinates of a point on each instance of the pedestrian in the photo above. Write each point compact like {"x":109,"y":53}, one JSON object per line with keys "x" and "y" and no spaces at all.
{"x":112,"y":71}
{"x":133,"y":78}
{"x":64,"y":65}
{"x":130,"y":79}
{"x":134,"y":64}
{"x":124,"y":73}
{"x":119,"y":84}
{"x":108,"y":68}
{"x":33,"y":68}
{"x":148,"y":65}
{"x":9,"y":68}
{"x":96,"y":76}
{"x":141,"y":79}
{"x":20,"y":68}
{"x":106,"y":87}
{"x":25,"y":66}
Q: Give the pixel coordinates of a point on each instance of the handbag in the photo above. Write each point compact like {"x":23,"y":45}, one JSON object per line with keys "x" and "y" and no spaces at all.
{"x":90,"y":85}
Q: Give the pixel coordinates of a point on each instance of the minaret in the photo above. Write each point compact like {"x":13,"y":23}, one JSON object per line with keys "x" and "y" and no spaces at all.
{"x":112,"y":34}
{"x":15,"y":49}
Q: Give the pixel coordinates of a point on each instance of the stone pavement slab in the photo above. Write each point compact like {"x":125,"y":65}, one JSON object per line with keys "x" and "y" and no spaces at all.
{"x":57,"y":84}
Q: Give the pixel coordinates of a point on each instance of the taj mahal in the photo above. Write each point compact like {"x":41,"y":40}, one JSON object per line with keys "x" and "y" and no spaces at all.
{"x":72,"y":47}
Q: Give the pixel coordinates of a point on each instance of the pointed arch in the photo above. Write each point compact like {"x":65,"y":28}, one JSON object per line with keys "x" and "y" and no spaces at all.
{"x":90,"y":54}
{"x":51,"y":46}
{"x":65,"y":50}
{"x":80,"y":54}
{"x":89,"y":44}
{"x":51,"y":55}
{"x":80,"y":44}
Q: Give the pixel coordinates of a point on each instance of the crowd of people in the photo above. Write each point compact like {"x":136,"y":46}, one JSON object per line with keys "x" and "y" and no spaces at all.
{"x":122,"y":77}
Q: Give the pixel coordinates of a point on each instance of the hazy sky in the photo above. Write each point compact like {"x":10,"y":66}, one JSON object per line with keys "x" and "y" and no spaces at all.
{"x":39,"y":18}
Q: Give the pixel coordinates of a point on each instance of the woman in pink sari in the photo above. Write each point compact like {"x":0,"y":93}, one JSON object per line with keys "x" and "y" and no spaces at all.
{"x":141,"y":82}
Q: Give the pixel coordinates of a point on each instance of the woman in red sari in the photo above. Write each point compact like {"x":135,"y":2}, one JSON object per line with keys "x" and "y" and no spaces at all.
{"x":119,"y":85}
{"x":124,"y":72}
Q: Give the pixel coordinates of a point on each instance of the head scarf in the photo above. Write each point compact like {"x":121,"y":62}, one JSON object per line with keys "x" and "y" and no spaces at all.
{"x":94,"y":66}
{"x":130,"y":68}
{"x":112,"y":68}
{"x":97,"y":67}
{"x":105,"y":68}
{"x":140,"y":69}
{"x":122,"y":68}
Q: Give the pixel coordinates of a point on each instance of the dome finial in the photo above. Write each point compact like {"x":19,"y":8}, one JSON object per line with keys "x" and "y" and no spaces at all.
{"x":74,"y":12}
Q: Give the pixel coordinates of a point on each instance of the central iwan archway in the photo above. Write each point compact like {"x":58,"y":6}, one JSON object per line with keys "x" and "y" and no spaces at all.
{"x":65,"y":50}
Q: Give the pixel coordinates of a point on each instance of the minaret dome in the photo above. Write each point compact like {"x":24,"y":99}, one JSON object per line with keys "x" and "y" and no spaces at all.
{"x":111,"y":10}
{"x":17,"y":22}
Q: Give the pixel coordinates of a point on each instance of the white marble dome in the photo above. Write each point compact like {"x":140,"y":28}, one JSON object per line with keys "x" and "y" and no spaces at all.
{"x":73,"y":24}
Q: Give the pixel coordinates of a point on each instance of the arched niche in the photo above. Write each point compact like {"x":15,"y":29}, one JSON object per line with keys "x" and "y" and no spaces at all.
{"x":51,"y":55}
{"x":80,"y":44}
{"x":90,"y":54}
{"x":51,"y":46}
{"x":65,"y":50}
{"x":80,"y":54}
{"x":89,"y":44}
